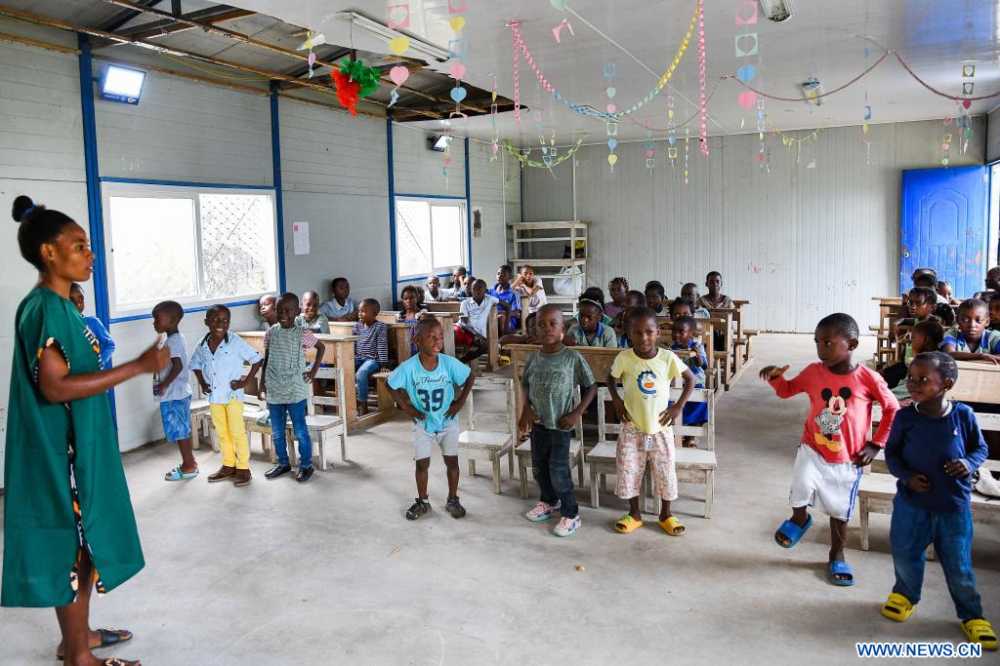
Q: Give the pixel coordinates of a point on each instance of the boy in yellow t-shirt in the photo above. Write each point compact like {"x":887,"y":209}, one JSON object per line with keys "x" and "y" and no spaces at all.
{"x":646,"y":372}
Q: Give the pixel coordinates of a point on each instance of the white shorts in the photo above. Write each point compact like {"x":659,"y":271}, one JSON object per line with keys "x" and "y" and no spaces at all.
{"x":423,"y":441}
{"x":829,"y":487}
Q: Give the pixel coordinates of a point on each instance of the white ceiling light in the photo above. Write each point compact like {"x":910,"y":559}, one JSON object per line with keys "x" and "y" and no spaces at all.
{"x":382,"y":32}
{"x":777,"y":10}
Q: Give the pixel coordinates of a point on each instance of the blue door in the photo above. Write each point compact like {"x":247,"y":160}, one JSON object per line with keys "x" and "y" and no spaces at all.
{"x":944,"y":227}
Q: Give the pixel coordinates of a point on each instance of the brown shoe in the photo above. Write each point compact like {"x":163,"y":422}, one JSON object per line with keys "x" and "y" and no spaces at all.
{"x":225,"y":473}
{"x":242,"y":478}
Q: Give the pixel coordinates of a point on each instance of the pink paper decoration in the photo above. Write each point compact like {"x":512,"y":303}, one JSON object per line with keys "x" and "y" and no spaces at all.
{"x":399,"y":74}
{"x":703,"y":136}
{"x":747,"y":99}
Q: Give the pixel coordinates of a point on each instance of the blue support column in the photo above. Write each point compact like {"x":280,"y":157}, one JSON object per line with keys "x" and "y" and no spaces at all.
{"x":392,"y":206}
{"x":468,"y":204}
{"x":276,"y":168}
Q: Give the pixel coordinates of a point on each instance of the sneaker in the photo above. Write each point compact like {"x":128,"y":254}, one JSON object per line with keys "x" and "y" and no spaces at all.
{"x":419,"y":508}
{"x":454,"y":507}
{"x":543,"y":511}
{"x":567,"y":526}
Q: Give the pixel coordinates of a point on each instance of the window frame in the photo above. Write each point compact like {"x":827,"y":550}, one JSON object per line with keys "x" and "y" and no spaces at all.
{"x":187,"y":191}
{"x":458,"y":202}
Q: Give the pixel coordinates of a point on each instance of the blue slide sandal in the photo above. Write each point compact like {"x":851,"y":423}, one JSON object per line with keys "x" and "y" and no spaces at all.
{"x":838,"y":568}
{"x":792,"y":532}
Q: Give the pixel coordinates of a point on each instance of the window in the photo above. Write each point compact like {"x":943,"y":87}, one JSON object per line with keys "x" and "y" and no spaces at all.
{"x":194,"y":245}
{"x":430,"y":236}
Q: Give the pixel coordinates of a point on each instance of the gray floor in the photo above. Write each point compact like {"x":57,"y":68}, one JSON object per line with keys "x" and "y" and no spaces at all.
{"x":331,"y":572}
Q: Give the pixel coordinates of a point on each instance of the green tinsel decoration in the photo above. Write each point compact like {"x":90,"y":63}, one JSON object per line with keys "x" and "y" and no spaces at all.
{"x":366,"y":77}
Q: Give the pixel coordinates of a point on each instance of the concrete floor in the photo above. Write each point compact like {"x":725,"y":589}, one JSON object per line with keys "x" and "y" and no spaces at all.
{"x":331,"y":572}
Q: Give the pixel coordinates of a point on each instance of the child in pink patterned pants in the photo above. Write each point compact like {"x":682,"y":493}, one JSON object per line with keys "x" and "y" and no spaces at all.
{"x":646,"y":372}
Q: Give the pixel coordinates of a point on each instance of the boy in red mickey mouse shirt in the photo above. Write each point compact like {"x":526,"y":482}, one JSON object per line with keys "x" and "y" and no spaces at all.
{"x":834,"y":445}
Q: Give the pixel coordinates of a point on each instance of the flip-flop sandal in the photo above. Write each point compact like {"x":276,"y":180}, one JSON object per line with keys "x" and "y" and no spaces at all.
{"x":177,"y":475}
{"x":838,"y":568}
{"x":672,"y":526}
{"x":980,"y":631}
{"x":897,"y":608}
{"x":792,"y":532}
{"x":627,"y":524}
{"x":109,"y":637}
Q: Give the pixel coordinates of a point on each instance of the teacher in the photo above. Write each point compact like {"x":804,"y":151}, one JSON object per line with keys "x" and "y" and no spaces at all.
{"x":68,"y":520}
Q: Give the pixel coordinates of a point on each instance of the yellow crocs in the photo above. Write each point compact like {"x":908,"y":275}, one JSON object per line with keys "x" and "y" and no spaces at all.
{"x":897,"y":608}
{"x":980,"y":631}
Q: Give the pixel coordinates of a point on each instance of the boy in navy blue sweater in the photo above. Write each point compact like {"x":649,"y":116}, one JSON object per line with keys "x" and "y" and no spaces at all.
{"x":934,"y":447}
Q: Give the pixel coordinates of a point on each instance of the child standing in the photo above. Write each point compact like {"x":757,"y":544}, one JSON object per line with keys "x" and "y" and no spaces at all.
{"x":617,"y":288}
{"x":286,"y":385}
{"x":104,"y":339}
{"x":411,"y":313}
{"x":311,"y":317}
{"x":833,"y":447}
{"x":934,"y":448}
{"x":973,"y":340}
{"x":591,"y":331}
{"x":508,"y":302}
{"x":529,"y":289}
{"x":371,"y":352}
{"x":424,"y":388}
{"x":549,"y":380}
{"x":172,"y":389}
{"x":474,"y":316}
{"x":265,"y":307}
{"x":341,"y":307}
{"x":217,"y":363}
{"x":646,"y":372}
{"x":683,"y":328}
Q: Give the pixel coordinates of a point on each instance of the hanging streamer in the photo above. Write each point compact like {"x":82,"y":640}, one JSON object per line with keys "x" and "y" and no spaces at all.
{"x":495,"y":143}
{"x":535,"y":164}
{"x":703,"y":127}
{"x":789,"y":141}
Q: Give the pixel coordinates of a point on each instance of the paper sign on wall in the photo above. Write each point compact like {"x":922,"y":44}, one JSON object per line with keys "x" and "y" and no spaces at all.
{"x":300,"y":237}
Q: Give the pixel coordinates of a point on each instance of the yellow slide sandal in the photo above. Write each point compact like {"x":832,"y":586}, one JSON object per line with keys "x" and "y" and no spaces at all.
{"x":980,"y":631}
{"x":897,"y":608}
{"x":672,"y":526}
{"x":627,"y":524}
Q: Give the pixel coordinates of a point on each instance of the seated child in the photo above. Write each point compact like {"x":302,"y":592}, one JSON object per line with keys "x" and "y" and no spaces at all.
{"x":434,"y":293}
{"x":265,"y":307}
{"x":104,"y":339}
{"x":654,"y":297}
{"x":466,"y":288}
{"x":617,"y":288}
{"x":972,"y":340}
{"x":371,"y":352}
{"x":508,"y":301}
{"x":944,"y":291}
{"x":411,"y":313}
{"x":529,"y":337}
{"x":549,"y":380}
{"x":683,"y":328}
{"x":529,"y":289}
{"x":833,"y":447}
{"x":424,"y":388}
{"x":934,"y":448}
{"x":926,"y":336}
{"x":921,"y":302}
{"x":217,"y":363}
{"x":633,"y":300}
{"x":472,"y":328}
{"x":172,"y":389}
{"x":341,"y":307}
{"x":715,"y":299}
{"x":682,"y":307}
{"x":458,"y":278}
{"x":992,"y":284}
{"x":646,"y":372}
{"x":590,"y":331}
{"x":311,"y":317}
{"x":286,"y":383}
{"x":994,"y":312}
{"x":597,"y":294}
{"x":927,"y":278}
{"x":689,"y":292}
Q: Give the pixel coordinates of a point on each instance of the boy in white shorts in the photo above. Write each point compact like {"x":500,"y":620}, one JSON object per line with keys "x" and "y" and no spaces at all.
{"x":424,"y":388}
{"x":834,"y":445}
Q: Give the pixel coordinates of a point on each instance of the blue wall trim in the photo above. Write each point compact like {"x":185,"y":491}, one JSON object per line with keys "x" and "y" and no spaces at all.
{"x":200,"y":308}
{"x":429,"y":196}
{"x":279,"y":204}
{"x":468,"y":206}
{"x":92,"y":170}
{"x":181,"y":183}
{"x":392,"y":206}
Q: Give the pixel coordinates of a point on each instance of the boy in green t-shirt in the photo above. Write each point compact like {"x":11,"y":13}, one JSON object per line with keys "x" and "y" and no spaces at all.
{"x":549,"y":380}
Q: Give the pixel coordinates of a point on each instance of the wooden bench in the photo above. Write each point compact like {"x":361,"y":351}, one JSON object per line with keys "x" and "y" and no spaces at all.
{"x":693,"y":465}
{"x":446,"y":319}
{"x":713,"y":373}
{"x":523,"y":453}
{"x":889,"y":309}
{"x":977,"y":382}
{"x":398,"y":335}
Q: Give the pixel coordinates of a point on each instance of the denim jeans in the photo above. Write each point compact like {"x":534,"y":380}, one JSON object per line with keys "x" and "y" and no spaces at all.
{"x":550,"y":467}
{"x":913,"y":529}
{"x":279,"y":420}
{"x":363,"y":369}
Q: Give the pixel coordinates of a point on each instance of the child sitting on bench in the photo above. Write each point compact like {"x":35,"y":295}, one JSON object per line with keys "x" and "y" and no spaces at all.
{"x":926,"y":336}
{"x":683,"y":328}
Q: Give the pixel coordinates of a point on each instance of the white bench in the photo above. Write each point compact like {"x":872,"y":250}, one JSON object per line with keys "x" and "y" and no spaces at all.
{"x":490,"y":436}
{"x":523,"y":453}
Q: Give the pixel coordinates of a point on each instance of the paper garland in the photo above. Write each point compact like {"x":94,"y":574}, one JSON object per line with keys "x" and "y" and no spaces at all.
{"x":703,"y":104}
{"x":788,"y":140}
{"x":535,"y":164}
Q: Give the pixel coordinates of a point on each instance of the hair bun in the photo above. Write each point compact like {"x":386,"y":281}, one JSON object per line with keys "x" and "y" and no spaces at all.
{"x":22,"y":209}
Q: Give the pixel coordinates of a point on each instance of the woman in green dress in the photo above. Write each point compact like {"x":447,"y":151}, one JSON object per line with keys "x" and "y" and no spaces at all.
{"x":68,"y":521}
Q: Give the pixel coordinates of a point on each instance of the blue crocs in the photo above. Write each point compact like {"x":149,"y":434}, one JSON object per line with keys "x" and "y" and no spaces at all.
{"x":792,"y":532}
{"x":838,"y":568}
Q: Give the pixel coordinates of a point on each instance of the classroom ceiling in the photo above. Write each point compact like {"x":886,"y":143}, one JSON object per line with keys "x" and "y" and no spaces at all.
{"x":822,"y":40}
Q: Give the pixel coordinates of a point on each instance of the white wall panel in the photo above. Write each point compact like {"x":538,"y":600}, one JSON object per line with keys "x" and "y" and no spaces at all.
{"x":800,"y":239}
{"x":496,"y":190}
{"x":419,"y":170}
{"x":334,"y":176}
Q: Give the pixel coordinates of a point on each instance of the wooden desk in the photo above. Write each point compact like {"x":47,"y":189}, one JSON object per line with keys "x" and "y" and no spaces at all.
{"x":600,"y":360}
{"x":399,"y":334}
{"x":889,"y":309}
{"x":339,"y":353}
{"x":447,"y":320}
